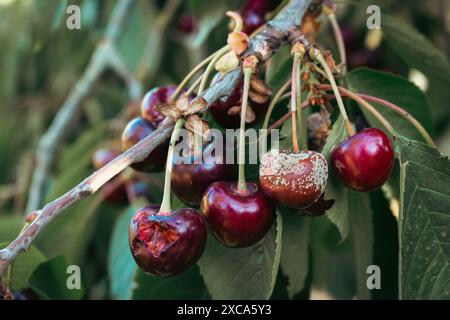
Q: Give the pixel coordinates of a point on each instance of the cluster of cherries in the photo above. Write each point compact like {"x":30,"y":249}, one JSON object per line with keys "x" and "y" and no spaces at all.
{"x":167,"y":243}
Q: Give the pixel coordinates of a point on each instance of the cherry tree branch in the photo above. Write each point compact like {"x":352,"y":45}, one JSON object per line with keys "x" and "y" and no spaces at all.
{"x":278,"y":31}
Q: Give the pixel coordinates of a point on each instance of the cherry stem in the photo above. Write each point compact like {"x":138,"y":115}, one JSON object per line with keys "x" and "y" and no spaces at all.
{"x":295,"y":145}
{"x":339,"y":40}
{"x":236,"y":17}
{"x":242,"y":184}
{"x":166,"y":205}
{"x":426,"y":136}
{"x":298,"y":101}
{"x":371,"y":109}
{"x":210,"y":67}
{"x":191,"y":74}
{"x":317,"y":55}
{"x":278,"y":96}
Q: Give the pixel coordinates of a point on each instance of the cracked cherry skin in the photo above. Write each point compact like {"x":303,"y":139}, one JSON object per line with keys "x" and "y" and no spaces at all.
{"x":364,"y":161}
{"x":154,"y":97}
{"x":190,"y":180}
{"x":234,"y":218}
{"x":294,"y":180}
{"x":136,"y":130}
{"x":165,"y":244}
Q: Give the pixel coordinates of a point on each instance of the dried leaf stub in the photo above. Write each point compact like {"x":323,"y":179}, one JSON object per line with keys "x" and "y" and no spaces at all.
{"x":169,"y":110}
{"x":234,"y":111}
{"x":238,"y":42}
{"x":197,"y":125}
{"x":183,"y":103}
{"x":250,"y":115}
{"x":227,"y":62}
{"x":258,"y":86}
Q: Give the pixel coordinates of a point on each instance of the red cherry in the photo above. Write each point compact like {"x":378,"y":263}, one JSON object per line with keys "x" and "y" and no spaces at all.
{"x":234,"y":218}
{"x":169,"y":243}
{"x":251,"y":21}
{"x":219,"y":109}
{"x":187,"y":23}
{"x":190,"y":180}
{"x":136,"y":130}
{"x":294,"y":180}
{"x":112,"y":191}
{"x":253,"y":13}
{"x":364,"y":161}
{"x":153,"y":97}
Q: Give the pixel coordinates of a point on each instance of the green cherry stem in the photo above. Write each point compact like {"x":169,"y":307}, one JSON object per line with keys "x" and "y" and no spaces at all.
{"x":242,"y":184}
{"x":277,"y":97}
{"x":166,"y":204}
{"x":339,"y":40}
{"x":210,"y":67}
{"x":191,"y":74}
{"x":317,"y":55}
{"x":295,"y":72}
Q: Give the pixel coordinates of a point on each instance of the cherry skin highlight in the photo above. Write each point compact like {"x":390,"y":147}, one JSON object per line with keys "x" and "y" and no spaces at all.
{"x":237,"y":219}
{"x":364,"y":161}
{"x":190,"y":180}
{"x":294,"y":180}
{"x":136,"y":130}
{"x":165,"y":244}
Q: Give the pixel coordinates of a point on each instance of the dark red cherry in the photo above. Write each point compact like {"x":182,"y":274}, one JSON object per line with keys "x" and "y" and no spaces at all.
{"x":136,"y":130}
{"x":236,"y":219}
{"x":252,"y":20}
{"x":254,"y":11}
{"x":191,"y":176}
{"x":167,"y":244}
{"x":113,"y":191}
{"x":187,"y":23}
{"x":156,"y":96}
{"x":219,"y":109}
{"x":364,"y":161}
{"x":294,"y":180}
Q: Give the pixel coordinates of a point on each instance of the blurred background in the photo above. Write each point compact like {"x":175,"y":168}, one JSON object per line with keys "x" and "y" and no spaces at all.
{"x":158,"y":42}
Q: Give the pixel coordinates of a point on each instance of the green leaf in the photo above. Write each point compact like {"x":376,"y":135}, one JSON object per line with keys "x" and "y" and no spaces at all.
{"x":280,"y":68}
{"x":396,"y":90}
{"x":424,"y":222}
{"x":49,"y":280}
{"x":23,"y":267}
{"x":338,"y":213}
{"x":415,"y":49}
{"x":188,"y":285}
{"x":244,"y":273}
{"x":121,"y":266}
{"x":294,"y":250}
{"x":10,"y":226}
{"x":58,"y":16}
{"x":360,"y":214}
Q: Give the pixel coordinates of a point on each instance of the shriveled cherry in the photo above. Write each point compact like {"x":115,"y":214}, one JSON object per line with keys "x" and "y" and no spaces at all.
{"x":168,"y":243}
{"x":136,"y":130}
{"x":237,"y":219}
{"x":294,"y":180}
{"x":364,"y":161}
{"x":190,"y":180}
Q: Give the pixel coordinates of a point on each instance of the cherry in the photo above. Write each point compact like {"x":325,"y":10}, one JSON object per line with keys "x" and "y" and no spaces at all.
{"x":153,"y":97}
{"x":165,"y":244}
{"x":364,"y":161}
{"x":295,"y":180}
{"x":136,"y":130}
{"x":219,"y":109}
{"x":253,"y":13}
{"x":187,"y":23}
{"x":235,"y":218}
{"x":190,"y":180}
